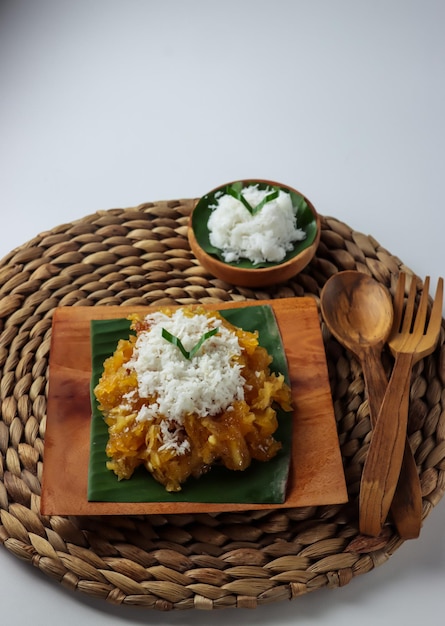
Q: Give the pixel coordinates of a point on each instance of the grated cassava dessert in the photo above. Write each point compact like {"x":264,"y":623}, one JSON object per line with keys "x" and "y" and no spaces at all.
{"x":188,"y":391}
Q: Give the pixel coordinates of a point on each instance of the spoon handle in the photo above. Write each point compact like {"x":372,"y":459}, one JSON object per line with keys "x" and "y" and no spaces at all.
{"x":406,"y":506}
{"x":375,"y":380}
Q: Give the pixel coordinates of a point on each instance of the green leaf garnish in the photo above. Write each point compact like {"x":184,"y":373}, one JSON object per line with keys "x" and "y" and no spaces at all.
{"x":235,"y":191}
{"x":188,"y":354}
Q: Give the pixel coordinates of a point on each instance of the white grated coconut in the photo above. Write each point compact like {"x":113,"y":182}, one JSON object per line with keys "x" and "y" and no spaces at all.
{"x":265,"y":236}
{"x":204,"y":385}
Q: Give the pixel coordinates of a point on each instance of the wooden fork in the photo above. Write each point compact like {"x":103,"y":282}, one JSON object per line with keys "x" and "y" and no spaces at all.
{"x":410,"y":340}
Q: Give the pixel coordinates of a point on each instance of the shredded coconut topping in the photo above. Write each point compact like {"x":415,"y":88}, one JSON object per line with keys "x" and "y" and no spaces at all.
{"x":171,"y":435}
{"x":265,"y":236}
{"x":206,"y":384}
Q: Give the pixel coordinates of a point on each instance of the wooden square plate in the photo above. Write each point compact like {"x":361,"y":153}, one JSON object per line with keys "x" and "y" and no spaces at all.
{"x":316,"y":474}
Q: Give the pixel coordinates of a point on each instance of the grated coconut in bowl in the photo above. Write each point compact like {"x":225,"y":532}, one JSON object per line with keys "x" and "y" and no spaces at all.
{"x":265,"y":236}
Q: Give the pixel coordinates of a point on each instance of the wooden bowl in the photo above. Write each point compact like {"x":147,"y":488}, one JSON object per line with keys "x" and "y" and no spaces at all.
{"x":236,"y":273}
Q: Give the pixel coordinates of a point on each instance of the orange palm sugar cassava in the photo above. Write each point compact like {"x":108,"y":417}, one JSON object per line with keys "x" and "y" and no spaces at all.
{"x":185,"y":421}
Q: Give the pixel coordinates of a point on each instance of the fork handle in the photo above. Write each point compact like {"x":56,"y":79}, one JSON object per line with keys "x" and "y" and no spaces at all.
{"x":386,"y":449}
{"x":406,"y":507}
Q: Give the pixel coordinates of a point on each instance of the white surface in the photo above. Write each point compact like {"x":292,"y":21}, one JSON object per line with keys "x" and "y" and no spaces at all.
{"x":109,"y":104}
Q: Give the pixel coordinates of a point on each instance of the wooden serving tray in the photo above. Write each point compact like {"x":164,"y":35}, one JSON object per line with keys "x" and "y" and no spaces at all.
{"x":316,"y":476}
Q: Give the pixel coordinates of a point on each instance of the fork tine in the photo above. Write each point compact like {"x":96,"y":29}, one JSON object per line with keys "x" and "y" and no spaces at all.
{"x":399,"y":298}
{"x":419,"y":324}
{"x":409,"y":309}
{"x":435,"y":320}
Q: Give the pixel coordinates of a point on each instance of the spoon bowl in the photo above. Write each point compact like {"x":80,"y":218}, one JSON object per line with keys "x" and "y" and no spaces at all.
{"x":358,"y":311}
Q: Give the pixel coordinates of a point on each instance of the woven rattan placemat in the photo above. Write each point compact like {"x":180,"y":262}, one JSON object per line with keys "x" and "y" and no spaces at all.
{"x":141,"y":256}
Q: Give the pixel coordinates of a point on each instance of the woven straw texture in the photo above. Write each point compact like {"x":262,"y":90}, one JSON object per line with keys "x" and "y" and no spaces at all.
{"x":141,"y":256}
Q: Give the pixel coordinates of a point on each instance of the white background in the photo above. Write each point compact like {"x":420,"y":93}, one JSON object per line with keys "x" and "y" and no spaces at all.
{"x":112,"y":103}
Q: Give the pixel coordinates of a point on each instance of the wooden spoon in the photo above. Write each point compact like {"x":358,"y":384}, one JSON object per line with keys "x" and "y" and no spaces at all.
{"x":358,"y":311}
